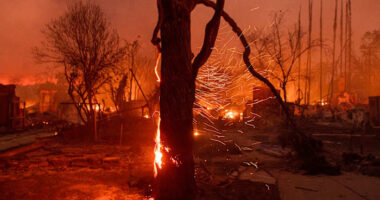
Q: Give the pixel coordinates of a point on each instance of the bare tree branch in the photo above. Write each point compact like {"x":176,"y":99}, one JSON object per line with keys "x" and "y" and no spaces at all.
{"x":247,"y":52}
{"x":155,"y":39}
{"x":83,"y":42}
{"x":211,"y":33}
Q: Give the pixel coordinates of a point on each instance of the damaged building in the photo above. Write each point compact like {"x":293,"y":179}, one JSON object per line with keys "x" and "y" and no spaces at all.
{"x":11,"y":115}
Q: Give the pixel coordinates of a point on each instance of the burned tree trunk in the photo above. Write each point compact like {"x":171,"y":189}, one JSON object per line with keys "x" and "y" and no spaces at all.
{"x":176,"y":178}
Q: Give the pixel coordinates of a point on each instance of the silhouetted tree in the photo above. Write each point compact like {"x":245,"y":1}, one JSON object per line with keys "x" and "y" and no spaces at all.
{"x":83,"y":42}
{"x":277,"y":51}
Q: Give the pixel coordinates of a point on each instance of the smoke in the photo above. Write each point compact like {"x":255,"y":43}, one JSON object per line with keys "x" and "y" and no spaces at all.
{"x":21,"y":22}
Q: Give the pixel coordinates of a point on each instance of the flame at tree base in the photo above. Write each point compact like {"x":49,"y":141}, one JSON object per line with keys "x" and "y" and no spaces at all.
{"x":157,"y":150}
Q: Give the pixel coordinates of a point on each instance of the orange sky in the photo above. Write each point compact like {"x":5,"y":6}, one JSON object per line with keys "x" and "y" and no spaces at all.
{"x":21,"y":22}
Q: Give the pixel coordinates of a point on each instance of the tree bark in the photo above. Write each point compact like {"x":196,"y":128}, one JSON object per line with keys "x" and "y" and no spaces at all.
{"x":176,"y":178}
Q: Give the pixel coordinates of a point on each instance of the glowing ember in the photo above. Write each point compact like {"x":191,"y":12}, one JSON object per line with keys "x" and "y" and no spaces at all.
{"x":175,"y":161}
{"x":146,"y":116}
{"x":196,"y":133}
{"x":157,"y":150}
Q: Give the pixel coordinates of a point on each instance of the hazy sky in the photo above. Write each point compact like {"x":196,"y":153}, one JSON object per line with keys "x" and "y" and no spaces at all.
{"x":21,"y":22}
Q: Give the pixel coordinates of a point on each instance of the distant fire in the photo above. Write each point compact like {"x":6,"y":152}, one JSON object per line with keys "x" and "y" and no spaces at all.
{"x":230,"y":114}
{"x":323,"y":103}
{"x":29,"y":104}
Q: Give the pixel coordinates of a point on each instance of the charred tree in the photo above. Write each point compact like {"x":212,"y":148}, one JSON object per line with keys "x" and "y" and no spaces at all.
{"x":175,"y":180}
{"x":278,"y":51}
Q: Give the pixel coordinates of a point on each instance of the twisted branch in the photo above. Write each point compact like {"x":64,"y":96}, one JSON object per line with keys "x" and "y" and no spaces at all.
{"x":247,"y":52}
{"x":155,"y":39}
{"x":211,"y":33}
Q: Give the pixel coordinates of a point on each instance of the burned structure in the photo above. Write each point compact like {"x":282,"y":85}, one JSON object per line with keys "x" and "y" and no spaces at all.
{"x":11,"y":115}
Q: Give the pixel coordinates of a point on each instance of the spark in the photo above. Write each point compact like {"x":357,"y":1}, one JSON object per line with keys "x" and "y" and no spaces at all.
{"x":196,"y":133}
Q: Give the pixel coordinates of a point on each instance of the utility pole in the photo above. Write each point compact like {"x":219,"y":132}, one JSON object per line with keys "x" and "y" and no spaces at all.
{"x":308,"y":67}
{"x":334,"y":49}
{"x":349,"y":45}
{"x":345,"y":48}
{"x":299,"y":59}
{"x":341,"y":38}
{"x":320,"y":53}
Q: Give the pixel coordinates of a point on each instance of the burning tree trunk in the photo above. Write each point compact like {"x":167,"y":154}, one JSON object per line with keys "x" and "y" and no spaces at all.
{"x":175,"y":167}
{"x":176,"y":178}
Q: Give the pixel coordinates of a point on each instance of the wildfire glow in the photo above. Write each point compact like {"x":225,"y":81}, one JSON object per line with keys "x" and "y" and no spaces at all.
{"x":157,"y":150}
{"x":323,"y":103}
{"x":230,"y":114}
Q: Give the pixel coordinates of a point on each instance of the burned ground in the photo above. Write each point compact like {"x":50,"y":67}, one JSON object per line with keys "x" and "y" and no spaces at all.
{"x":245,"y":163}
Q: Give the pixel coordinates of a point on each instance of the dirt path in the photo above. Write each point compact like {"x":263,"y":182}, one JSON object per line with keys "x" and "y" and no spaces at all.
{"x":10,"y":141}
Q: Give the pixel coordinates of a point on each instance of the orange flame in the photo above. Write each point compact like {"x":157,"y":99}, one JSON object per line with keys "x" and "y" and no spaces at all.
{"x":156,"y":67}
{"x":230,"y":114}
{"x":157,"y":150}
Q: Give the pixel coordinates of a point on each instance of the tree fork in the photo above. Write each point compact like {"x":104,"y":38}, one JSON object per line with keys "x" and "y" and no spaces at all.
{"x":175,"y":180}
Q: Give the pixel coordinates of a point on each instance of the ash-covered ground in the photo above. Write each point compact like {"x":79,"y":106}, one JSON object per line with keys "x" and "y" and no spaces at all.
{"x":240,"y":163}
